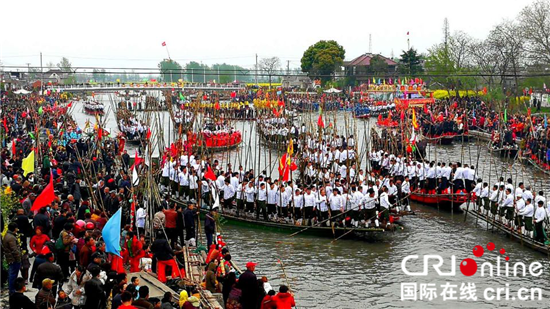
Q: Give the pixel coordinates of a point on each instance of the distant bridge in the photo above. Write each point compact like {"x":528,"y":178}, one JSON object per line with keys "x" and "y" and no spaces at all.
{"x":111,"y":87}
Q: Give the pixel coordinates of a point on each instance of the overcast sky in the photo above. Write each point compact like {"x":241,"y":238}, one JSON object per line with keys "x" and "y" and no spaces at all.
{"x":120,"y":33}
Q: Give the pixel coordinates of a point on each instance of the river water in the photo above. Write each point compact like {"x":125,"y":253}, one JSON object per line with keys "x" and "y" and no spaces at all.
{"x":358,"y":274}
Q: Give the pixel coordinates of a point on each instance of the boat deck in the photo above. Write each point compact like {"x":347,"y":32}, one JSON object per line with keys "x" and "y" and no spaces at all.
{"x":512,"y":233}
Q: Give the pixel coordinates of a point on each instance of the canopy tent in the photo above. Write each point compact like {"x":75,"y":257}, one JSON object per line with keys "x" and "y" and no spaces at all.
{"x":333,"y":90}
{"x":21,"y":91}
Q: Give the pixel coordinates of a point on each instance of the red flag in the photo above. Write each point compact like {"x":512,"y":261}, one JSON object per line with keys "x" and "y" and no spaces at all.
{"x":402,"y":116}
{"x":137,"y":160}
{"x":70,"y":104}
{"x":276,"y":113}
{"x":281,"y":103}
{"x":217,"y":106}
{"x":320,"y":121}
{"x":46,"y":197}
{"x":210,"y":174}
{"x":484,"y":90}
{"x":163,"y":44}
{"x":13,"y":146}
{"x":148,"y":133}
{"x":99,"y":133}
{"x":5,"y":125}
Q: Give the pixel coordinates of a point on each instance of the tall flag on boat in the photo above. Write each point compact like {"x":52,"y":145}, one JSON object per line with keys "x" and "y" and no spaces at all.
{"x":46,"y":197}
{"x":320,"y":121}
{"x":284,"y":167}
{"x":137,"y":160}
{"x":210,"y":174}
{"x":413,"y":137}
{"x":28,"y":164}
{"x":415,"y":124}
{"x":111,"y":233}
{"x":290,"y":148}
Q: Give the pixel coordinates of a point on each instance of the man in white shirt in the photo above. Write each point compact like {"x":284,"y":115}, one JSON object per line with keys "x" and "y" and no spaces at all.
{"x":540,"y":215}
{"x":228,"y":195}
{"x":309,"y":204}
{"x":405,"y":192}
{"x":507,"y":207}
{"x":369,"y":203}
{"x":484,"y":195}
{"x":272,"y":199}
{"x":282,"y":201}
{"x":183,"y":178}
{"x":527,"y":217}
{"x":336,"y":205}
{"x":385,"y":206}
{"x":240,"y":195}
{"x":261,"y":199}
{"x":141,"y":215}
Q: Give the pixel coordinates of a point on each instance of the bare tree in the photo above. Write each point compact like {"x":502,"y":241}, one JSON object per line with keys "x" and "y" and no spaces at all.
{"x":507,"y":47}
{"x":270,"y":66}
{"x":535,"y":27}
{"x":485,"y":61}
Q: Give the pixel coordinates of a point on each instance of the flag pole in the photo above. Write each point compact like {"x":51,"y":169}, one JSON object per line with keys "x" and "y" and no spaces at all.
{"x":167,"y":52}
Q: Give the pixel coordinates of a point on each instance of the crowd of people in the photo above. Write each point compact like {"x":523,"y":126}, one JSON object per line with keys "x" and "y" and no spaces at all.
{"x":57,"y":251}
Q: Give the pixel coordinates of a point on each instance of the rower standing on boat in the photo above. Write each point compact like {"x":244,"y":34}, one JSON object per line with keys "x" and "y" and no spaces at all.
{"x":540,"y":215}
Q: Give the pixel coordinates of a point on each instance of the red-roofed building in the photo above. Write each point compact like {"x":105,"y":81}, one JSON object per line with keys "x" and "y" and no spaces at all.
{"x":361,"y":66}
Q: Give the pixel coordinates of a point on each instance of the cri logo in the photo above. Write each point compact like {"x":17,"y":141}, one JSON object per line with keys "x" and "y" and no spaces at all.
{"x":468,"y":267}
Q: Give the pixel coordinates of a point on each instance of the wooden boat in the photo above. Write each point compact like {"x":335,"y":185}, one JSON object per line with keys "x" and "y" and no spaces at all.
{"x":94,"y":111}
{"x":212,"y":149}
{"x":443,"y":139}
{"x":320,"y":231}
{"x":510,"y":233}
{"x":505,"y":151}
{"x":441,"y":201}
{"x":539,"y":166}
{"x":271,"y":142}
{"x":464,"y":137}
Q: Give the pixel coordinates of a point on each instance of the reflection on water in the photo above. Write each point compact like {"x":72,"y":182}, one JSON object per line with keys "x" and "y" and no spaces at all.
{"x":356,"y":274}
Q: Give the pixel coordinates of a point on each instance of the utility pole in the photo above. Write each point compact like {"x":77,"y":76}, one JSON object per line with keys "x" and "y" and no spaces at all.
{"x":256,"y":70}
{"x":28,"y":72}
{"x":288,"y":67}
{"x":41,"y":75}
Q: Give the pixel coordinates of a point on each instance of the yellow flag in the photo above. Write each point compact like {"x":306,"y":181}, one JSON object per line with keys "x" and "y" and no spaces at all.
{"x":28,"y":164}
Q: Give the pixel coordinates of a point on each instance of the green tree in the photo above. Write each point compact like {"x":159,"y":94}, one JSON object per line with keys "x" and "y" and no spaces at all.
{"x":378,"y":66}
{"x":67,"y":68}
{"x":410,"y":63}
{"x":322,"y":59}
{"x":170,"y":70}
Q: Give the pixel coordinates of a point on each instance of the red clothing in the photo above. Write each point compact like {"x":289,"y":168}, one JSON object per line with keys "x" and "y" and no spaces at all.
{"x":268,"y":303}
{"x":284,"y":301}
{"x":38,"y":241}
{"x":171,"y":218}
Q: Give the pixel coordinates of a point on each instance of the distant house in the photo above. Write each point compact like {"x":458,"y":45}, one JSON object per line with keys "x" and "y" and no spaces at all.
{"x":55,"y":76}
{"x":360,"y":66}
{"x":302,"y":82}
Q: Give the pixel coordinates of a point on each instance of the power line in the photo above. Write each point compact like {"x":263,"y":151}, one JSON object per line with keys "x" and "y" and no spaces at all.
{"x":277,"y":73}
